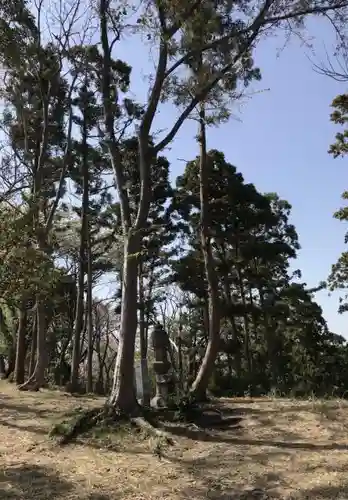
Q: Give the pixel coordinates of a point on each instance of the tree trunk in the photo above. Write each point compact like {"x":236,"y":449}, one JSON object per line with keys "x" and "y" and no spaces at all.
{"x":270,"y":338}
{"x":245,"y":319}
{"x":123,"y":395}
{"x":79,"y":313}
{"x":63,"y":372}
{"x":78,"y":325}
{"x":21,"y":346}
{"x":12,"y":353}
{"x":231,"y":317}
{"x":33,"y":347}
{"x":2,"y":367}
{"x":99,"y":386}
{"x":37,"y":379}
{"x":180,"y":359}
{"x":89,"y":314}
{"x":143,"y":331}
{"x":206,"y":369}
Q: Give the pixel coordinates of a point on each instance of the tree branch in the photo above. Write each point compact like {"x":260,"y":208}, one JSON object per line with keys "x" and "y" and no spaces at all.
{"x":109,"y":118}
{"x":65,"y":163}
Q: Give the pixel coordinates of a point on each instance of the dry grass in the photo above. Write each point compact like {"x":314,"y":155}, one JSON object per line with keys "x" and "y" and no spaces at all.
{"x":288,"y":449}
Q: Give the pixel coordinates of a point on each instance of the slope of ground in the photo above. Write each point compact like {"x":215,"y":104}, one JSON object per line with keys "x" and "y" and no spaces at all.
{"x":281,"y":449}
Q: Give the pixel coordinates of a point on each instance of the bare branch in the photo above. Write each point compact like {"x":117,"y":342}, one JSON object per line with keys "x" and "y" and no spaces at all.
{"x":111,"y":141}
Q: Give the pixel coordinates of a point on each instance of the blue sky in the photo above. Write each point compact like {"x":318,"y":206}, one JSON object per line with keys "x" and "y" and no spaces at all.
{"x":279,"y":142}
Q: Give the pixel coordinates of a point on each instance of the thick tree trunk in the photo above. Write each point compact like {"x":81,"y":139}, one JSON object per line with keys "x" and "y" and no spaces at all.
{"x":21,"y":346}
{"x":123,"y":395}
{"x":206,"y":369}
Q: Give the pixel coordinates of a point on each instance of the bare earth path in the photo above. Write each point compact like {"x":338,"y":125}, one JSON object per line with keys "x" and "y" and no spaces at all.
{"x":283,"y":449}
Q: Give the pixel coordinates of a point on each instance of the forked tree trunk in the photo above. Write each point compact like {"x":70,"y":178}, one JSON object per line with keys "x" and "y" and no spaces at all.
{"x":37,"y":379}
{"x":123,"y":394}
{"x":21,"y":347}
{"x":200,"y":385}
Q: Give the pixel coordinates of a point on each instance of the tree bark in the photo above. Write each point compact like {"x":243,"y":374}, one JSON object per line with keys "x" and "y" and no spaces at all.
{"x":33,"y":346}
{"x":200,"y":385}
{"x":21,"y":347}
{"x":37,"y":379}
{"x":2,"y":367}
{"x":12,"y":352}
{"x":143,"y":337}
{"x":123,"y":394}
{"x":89,"y":314}
{"x":78,"y":325}
{"x":245,"y":317}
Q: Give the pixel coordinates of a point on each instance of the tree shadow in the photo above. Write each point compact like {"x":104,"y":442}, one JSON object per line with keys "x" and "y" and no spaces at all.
{"x":23,"y":409}
{"x":327,"y":492}
{"x":4,"y":396}
{"x":28,"y":428}
{"x":206,"y":421}
{"x":241,"y":410}
{"x":32,"y":482}
{"x":203,"y":435}
{"x":229,"y":494}
{"x":99,"y":496}
{"x":210,"y":483}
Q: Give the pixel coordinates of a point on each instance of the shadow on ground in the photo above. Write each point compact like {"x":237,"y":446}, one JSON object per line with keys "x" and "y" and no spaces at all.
{"x":33,"y":482}
{"x":22,"y":410}
{"x":212,"y":482}
{"x":29,"y":428}
{"x":327,"y":492}
{"x":202,"y":435}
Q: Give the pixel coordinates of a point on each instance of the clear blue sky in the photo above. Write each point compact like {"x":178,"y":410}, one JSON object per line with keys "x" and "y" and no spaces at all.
{"x":280,"y":143}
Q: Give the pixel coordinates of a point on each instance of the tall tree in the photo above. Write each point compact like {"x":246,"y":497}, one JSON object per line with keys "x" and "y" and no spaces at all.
{"x":171,"y":25}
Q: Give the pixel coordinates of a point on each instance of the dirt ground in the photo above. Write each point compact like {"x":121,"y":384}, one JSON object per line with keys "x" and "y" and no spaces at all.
{"x":280,"y":449}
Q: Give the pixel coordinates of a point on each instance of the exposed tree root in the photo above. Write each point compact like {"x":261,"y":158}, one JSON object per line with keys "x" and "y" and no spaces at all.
{"x":34,"y":383}
{"x":107,"y":416}
{"x":188,"y":411}
{"x":30,"y":385}
{"x":85,"y":422}
{"x":144,"y":424}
